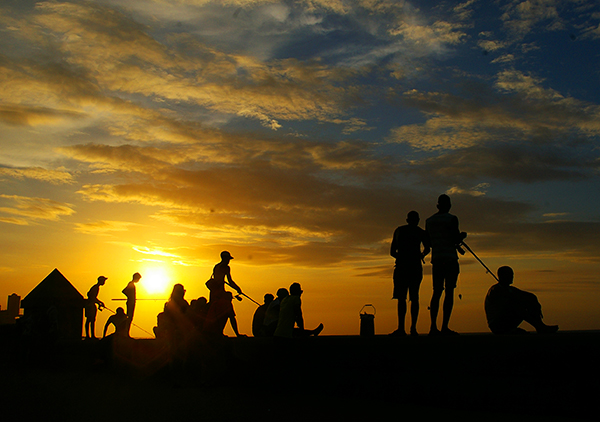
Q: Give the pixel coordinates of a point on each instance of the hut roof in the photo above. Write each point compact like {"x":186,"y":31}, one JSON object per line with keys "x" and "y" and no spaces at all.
{"x":54,"y":289}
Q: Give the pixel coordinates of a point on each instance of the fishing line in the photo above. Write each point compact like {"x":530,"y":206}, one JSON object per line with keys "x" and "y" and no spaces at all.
{"x":135,"y":325}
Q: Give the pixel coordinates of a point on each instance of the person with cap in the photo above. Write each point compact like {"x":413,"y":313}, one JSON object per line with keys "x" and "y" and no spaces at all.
{"x":221,"y":275}
{"x":91,"y":310}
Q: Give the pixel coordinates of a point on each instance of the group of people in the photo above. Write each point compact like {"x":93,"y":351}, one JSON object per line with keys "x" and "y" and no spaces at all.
{"x":506,"y":306}
{"x":120,"y":320}
{"x":278,"y":317}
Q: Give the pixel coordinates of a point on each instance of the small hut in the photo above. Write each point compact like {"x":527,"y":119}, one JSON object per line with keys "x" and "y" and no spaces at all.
{"x":54,"y":308}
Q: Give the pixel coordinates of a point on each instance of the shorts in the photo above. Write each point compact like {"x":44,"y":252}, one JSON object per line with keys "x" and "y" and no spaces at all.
{"x":407,"y":278}
{"x":90,"y":312}
{"x":445,"y":274}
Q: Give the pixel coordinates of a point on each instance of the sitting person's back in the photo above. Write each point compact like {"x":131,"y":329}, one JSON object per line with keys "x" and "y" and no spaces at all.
{"x":506,"y":307}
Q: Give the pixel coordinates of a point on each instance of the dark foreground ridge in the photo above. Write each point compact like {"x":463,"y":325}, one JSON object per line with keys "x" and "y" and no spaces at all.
{"x":468,"y":377}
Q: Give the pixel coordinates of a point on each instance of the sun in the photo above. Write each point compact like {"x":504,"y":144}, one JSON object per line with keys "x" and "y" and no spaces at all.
{"x":155,"y":280}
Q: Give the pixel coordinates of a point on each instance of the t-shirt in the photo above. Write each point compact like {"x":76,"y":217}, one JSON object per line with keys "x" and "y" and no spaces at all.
{"x":444,"y":235}
{"x":289,"y":312}
{"x":406,"y":245}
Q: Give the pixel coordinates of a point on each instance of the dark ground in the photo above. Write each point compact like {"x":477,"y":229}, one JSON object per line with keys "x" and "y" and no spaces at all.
{"x":470,"y":377}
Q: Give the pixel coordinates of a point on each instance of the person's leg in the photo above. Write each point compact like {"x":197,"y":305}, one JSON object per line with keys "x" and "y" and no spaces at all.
{"x":532,"y":313}
{"x":401,"y":296}
{"x":438,"y":288}
{"x":451,"y":271}
{"x":87,"y":328}
{"x":414,"y":307}
{"x":447,"y":308}
{"x":400,"y":292}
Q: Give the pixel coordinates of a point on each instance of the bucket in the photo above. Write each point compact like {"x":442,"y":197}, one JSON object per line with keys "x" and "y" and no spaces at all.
{"x":367,"y":321}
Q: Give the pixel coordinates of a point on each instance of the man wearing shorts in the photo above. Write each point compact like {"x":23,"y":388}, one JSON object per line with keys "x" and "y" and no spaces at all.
{"x":445,"y":237}
{"x":408,"y":271}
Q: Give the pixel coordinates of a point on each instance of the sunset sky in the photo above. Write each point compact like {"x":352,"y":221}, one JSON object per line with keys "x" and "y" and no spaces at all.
{"x":150,"y":135}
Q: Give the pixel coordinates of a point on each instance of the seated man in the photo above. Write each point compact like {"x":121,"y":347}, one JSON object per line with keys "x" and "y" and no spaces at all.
{"x":258,"y":327}
{"x":290,"y":314}
{"x":506,"y":307}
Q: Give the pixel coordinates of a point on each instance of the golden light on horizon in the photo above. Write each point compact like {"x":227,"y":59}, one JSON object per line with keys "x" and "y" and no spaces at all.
{"x":156,"y":279}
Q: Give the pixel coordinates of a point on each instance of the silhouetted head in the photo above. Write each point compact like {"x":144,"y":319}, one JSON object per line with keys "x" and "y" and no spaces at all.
{"x":136,"y":277}
{"x":202,"y":300}
{"x":101,"y":280}
{"x":226,"y":256}
{"x":282,"y":293}
{"x":269,"y":298}
{"x":178,"y":291}
{"x":505,"y":275}
{"x":413,"y":218}
{"x":444,"y":203}
{"x":120,"y":311}
{"x":295,"y":289}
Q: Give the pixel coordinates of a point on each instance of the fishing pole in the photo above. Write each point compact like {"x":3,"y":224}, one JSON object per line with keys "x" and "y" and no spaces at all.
{"x":243,"y":294}
{"x":139,"y":299}
{"x":480,"y":261}
{"x":135,"y":325}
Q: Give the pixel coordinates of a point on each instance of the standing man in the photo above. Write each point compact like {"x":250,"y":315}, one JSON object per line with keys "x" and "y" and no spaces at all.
{"x":130,"y":292}
{"x":221,"y":271}
{"x":90,"y":308}
{"x":445,"y":237}
{"x":408,"y":271}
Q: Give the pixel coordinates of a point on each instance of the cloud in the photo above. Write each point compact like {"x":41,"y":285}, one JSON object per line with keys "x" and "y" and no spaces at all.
{"x":520,"y":131}
{"x":521,"y":17}
{"x":104,"y":227}
{"x":56,"y":177}
{"x":28,"y":210}
{"x":34,"y":116}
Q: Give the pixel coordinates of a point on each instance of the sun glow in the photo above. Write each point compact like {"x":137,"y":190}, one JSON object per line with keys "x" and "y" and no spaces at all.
{"x":155,"y":280}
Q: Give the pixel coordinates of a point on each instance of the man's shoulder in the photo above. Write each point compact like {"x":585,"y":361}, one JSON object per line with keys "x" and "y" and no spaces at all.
{"x":441,"y":217}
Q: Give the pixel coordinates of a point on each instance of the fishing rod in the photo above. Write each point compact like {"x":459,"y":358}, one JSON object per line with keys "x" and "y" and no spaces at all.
{"x":243,"y":294}
{"x":139,"y":299}
{"x":135,"y":325}
{"x":477,"y":258}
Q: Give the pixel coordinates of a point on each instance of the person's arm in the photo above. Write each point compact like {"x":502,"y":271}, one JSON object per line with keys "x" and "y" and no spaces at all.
{"x":299,"y":317}
{"x":426,"y":246}
{"x":108,"y":322}
{"x":234,"y":326}
{"x":232,"y":283}
{"x":394,"y":246}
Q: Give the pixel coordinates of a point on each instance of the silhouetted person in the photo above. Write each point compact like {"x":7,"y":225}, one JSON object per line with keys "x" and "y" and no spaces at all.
{"x":272,"y":315}
{"x":120,"y":323}
{"x":91,"y":310}
{"x":408,"y":271}
{"x":258,"y":319}
{"x":221,"y":271}
{"x":197,"y":312}
{"x":130,"y":292}
{"x":445,"y":237}
{"x":290,"y":315}
{"x":506,"y":307}
{"x":219,"y":312}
